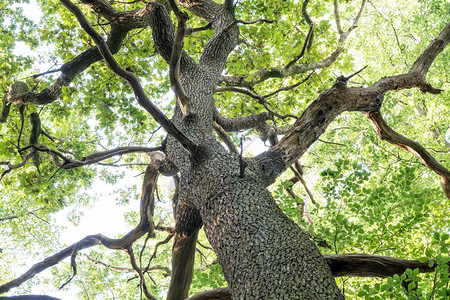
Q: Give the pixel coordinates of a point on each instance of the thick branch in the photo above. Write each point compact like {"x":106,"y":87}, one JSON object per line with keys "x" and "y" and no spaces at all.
{"x":206,"y":9}
{"x":359,"y":265}
{"x":338,"y":99}
{"x":175,"y":58}
{"x":366,"y":265}
{"x":387,"y":133}
{"x":183,"y":255}
{"x":132,"y":80}
{"x":242,"y":123}
{"x":423,"y":63}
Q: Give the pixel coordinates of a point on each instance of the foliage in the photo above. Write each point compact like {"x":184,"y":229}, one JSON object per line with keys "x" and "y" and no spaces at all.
{"x":371,"y":197}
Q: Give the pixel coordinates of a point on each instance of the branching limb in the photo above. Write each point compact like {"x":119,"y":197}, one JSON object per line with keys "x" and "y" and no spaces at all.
{"x":17,"y":166}
{"x":282,"y":72}
{"x":87,"y":242}
{"x":262,"y":99}
{"x":387,"y":133}
{"x":121,"y":24}
{"x":132,"y":80}
{"x":143,"y":285}
{"x":175,"y":58}
{"x":145,"y":226}
{"x":339,"y":98}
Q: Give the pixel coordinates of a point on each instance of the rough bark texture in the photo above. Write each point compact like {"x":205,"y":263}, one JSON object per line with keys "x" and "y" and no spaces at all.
{"x":264,"y":254}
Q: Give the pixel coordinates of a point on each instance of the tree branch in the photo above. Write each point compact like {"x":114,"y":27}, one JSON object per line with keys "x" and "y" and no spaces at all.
{"x":175,"y":58}
{"x":242,"y":123}
{"x":359,"y":265}
{"x":387,"y":133}
{"x":121,"y":24}
{"x":225,"y":138}
{"x":132,"y":80}
{"x":282,"y":72}
{"x":339,"y":98}
{"x":87,"y":242}
{"x":145,"y":226}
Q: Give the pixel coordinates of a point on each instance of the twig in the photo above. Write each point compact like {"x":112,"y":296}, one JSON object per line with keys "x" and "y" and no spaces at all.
{"x":190,"y":31}
{"x":305,"y":43}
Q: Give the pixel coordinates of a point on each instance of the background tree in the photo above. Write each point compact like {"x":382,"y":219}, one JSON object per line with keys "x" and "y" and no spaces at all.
{"x":293,"y":73}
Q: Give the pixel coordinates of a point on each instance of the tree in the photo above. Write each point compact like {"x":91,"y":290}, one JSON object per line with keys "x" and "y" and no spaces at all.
{"x":231,"y":57}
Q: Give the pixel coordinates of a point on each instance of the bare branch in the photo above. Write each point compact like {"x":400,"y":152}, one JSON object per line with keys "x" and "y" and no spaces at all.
{"x":143,"y":285}
{"x":132,"y":80}
{"x":97,"y":262}
{"x":387,"y":133}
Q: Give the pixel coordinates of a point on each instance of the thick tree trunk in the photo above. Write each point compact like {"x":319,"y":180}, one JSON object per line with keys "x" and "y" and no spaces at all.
{"x":264,"y":255}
